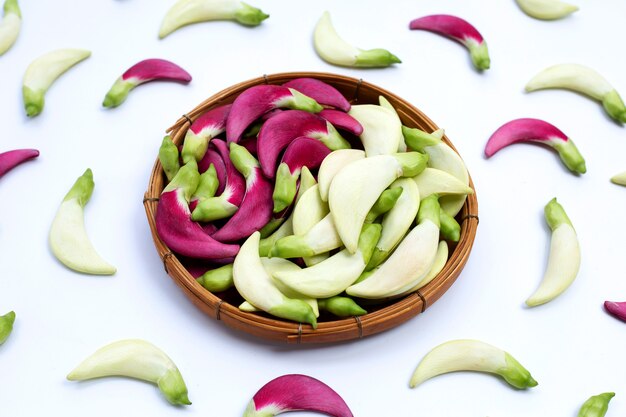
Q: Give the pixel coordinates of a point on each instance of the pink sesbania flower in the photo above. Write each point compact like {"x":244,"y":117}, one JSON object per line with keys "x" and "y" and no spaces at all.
{"x":143,"y":72}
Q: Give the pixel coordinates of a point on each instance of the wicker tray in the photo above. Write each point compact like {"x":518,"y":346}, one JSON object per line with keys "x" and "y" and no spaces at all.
{"x":383,"y":317}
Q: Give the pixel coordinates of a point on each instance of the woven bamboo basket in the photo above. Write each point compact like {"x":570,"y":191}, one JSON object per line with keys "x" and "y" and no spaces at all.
{"x":224,"y":307}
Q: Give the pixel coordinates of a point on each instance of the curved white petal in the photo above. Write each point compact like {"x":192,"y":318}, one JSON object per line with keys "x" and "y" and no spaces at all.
{"x":619,"y":179}
{"x":327,"y":278}
{"x":185,"y":12}
{"x":383,"y":102}
{"x":444,"y":158}
{"x":572,"y":77}
{"x":436,"y":181}
{"x":563,"y":265}
{"x":354,"y":191}
{"x":323,"y":236}
{"x":139,"y":359}
{"x":382,"y":130}
{"x":276,"y":265}
{"x":459,"y":355}
{"x":9,"y":31}
{"x":71,"y":245}
{"x":440,"y":261}
{"x":407,"y":265}
{"x":546,"y":9}
{"x":133,"y":358}
{"x":43,"y":71}
{"x":251,"y":278}
{"x":309,"y":210}
{"x":257,"y":287}
{"x":397,"y":221}
{"x":330,"y":46}
{"x":472,"y":355}
{"x":332,"y":164}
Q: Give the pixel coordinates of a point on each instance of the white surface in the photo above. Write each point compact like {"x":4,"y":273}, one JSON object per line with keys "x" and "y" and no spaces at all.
{"x":570,"y":345}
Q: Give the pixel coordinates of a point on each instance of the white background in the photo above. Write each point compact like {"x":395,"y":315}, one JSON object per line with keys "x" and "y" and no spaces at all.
{"x":571,"y":346}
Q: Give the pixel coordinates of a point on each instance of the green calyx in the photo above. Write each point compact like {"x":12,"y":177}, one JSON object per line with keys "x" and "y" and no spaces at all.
{"x":11,"y":6}
{"x":187,"y":178}
{"x":366,"y":274}
{"x":333,"y":140}
{"x":291,"y":247}
{"x":515,"y":374}
{"x":6,"y":326}
{"x":243,"y":160}
{"x":614,"y":106}
{"x":480,"y":55}
{"x":555,"y":215}
{"x":412,"y":163}
{"x":173,"y":387}
{"x":596,"y":406}
{"x":368,"y":240}
{"x":571,"y":157}
{"x":208,"y":184}
{"x":341,"y":306}
{"x":378,"y":257}
{"x":249,"y":16}
{"x":296,"y":310}
{"x":385,"y":202}
{"x":285,"y":187}
{"x":253,"y":130}
{"x":82,"y":188}
{"x":429,"y":210}
{"x":307,"y":180}
{"x":265,"y":245}
{"x":270,"y":227}
{"x":213,"y":208}
{"x":251,"y":411}
{"x":450,"y":229}
{"x":417,"y":139}
{"x":301,"y":102}
{"x":118,"y":93}
{"x":217,"y":280}
{"x":194,"y":147}
{"x":376,"y":58}
{"x":33,"y":101}
{"x":168,"y":156}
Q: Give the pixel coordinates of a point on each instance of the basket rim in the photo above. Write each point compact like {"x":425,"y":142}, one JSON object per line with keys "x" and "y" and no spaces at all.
{"x":277,"y":329}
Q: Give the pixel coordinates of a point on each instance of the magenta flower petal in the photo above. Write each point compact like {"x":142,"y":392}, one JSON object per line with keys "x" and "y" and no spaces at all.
{"x":235,"y":182}
{"x":447,"y":25}
{"x":539,"y":131}
{"x":212,"y":157}
{"x":260,"y":99}
{"x":228,"y":202}
{"x":256,"y":208}
{"x":184,"y":236}
{"x":254,"y":213}
{"x":616,"y":309}
{"x":202,"y":130}
{"x":279,"y":131}
{"x":320,"y":91}
{"x":342,"y":121}
{"x":523,"y":130}
{"x":296,"y":392}
{"x":302,"y":152}
{"x":211,"y":123}
{"x":156,"y":69}
{"x":250,"y":144}
{"x":461,"y":31}
{"x":11,"y":159}
{"x":143,"y":72}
